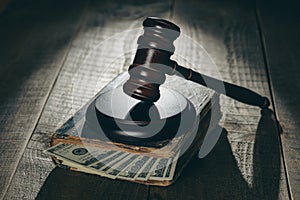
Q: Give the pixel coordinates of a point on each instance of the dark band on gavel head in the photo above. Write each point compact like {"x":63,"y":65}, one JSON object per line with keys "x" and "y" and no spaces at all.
{"x":152,"y":58}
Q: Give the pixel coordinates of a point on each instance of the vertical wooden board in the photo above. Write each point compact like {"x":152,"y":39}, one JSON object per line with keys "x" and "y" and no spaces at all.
{"x":34,"y":40}
{"x":103,"y":48}
{"x":246,"y":163}
{"x":280,"y":29}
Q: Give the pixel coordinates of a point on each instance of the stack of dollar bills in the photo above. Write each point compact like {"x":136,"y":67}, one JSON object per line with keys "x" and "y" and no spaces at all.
{"x":115,"y":163}
{"x":77,"y":145}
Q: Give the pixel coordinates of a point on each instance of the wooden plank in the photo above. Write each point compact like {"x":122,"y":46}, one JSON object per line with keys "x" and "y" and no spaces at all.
{"x":94,"y":59}
{"x":34,"y":42}
{"x":280,"y":29}
{"x":246,"y":163}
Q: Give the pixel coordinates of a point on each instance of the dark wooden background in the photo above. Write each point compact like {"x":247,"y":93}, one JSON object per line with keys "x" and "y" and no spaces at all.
{"x":43,"y":82}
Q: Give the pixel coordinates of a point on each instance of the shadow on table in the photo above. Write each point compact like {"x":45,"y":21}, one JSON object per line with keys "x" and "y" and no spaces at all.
{"x":218,"y":176}
{"x":215,"y":177}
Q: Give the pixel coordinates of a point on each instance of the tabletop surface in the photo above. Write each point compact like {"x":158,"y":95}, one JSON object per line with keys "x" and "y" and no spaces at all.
{"x":46,"y":76}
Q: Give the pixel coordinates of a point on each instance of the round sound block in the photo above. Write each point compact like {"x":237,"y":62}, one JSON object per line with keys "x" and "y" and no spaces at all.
{"x":130,"y":121}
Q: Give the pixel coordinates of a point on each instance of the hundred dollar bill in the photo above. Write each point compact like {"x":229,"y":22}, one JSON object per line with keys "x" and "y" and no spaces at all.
{"x":123,"y":157}
{"x":108,"y":160}
{"x":159,"y":169}
{"x":78,"y":154}
{"x":171,"y":168}
{"x":92,"y":170}
{"x":115,"y":170}
{"x":132,"y":170}
{"x":145,"y":172}
{"x":80,"y":168}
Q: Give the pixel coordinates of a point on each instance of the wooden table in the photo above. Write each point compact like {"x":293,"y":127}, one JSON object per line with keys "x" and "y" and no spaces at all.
{"x":43,"y":82}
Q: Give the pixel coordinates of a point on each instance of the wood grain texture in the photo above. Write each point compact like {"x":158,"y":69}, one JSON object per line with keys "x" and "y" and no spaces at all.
{"x":281,"y":32}
{"x":100,"y":51}
{"x":31,"y":35}
{"x":246,"y":163}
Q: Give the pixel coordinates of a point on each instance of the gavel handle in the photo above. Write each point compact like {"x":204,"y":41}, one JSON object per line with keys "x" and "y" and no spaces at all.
{"x":236,"y":92}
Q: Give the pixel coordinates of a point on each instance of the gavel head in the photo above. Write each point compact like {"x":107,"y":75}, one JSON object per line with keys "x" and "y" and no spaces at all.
{"x":152,"y":59}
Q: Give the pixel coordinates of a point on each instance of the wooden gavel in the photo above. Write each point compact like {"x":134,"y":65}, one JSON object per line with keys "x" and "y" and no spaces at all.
{"x":152,"y":62}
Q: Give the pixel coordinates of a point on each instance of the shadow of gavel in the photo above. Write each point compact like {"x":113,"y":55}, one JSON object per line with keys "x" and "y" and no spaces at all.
{"x":152,"y":62}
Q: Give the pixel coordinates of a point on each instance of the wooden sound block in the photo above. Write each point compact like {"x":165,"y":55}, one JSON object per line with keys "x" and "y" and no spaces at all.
{"x":127,"y":120}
